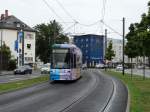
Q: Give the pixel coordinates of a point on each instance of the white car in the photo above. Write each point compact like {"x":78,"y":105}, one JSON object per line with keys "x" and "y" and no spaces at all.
{"x":84,"y":66}
{"x":119,"y":68}
{"x":100,"y":66}
{"x":45,"y":69}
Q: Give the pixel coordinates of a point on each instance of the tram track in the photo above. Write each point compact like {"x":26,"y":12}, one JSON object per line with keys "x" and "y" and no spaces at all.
{"x":80,"y":98}
{"x":110,"y":98}
{"x":83,"y":100}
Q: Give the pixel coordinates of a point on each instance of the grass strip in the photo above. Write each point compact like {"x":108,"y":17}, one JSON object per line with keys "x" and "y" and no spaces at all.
{"x":22,"y":84}
{"x":139,"y":90}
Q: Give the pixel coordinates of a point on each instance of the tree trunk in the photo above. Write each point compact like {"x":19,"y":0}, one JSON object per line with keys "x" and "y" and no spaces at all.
{"x":143,"y":67}
{"x":131,"y":69}
{"x":149,"y":62}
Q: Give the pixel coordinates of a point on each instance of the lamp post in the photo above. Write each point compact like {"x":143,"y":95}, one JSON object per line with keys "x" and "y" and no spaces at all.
{"x":105,"y":47}
{"x":1,"y":53}
{"x":1,"y":64}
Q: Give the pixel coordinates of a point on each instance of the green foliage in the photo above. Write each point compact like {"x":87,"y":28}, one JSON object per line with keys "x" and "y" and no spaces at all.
{"x":109,"y":52}
{"x":46,"y":36}
{"x":138,"y":38}
{"x":131,"y":47}
{"x":12,"y":64}
{"x":5,"y":55}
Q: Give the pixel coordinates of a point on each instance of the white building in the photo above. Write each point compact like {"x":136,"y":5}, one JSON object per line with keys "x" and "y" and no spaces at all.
{"x":19,"y":37}
{"x":118,"y":49}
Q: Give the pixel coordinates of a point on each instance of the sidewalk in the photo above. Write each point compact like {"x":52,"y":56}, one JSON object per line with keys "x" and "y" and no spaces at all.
{"x":6,"y":73}
{"x":137,"y":72}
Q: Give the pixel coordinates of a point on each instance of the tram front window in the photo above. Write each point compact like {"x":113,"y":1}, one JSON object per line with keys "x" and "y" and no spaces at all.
{"x":61,"y":59}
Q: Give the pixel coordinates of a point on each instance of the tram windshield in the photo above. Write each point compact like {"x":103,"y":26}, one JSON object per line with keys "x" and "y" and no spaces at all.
{"x":62,"y":59}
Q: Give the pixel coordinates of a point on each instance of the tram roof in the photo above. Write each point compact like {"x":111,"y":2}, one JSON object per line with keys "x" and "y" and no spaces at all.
{"x":64,"y":46}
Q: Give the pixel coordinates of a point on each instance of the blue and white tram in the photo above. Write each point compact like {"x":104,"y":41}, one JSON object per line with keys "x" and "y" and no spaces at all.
{"x":66,"y":62}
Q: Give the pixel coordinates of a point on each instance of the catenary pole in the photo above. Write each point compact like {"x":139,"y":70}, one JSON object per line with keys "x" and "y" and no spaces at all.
{"x":123,"y":45}
{"x":105,"y":47}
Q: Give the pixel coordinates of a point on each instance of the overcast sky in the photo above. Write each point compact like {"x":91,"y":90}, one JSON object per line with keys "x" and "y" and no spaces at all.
{"x":86,"y":12}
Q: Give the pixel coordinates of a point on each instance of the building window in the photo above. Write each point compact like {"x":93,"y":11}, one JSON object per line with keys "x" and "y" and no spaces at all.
{"x":86,"y":40}
{"x":29,"y":59}
{"x":29,"y":36}
{"x":28,"y":46}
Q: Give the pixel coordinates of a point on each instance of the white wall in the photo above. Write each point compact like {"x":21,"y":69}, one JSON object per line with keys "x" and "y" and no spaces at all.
{"x":9,"y":37}
{"x":28,"y":53}
{"x":118,"y":49}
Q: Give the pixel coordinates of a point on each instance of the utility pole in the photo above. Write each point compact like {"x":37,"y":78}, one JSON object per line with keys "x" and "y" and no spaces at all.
{"x":105,"y":47}
{"x":105,"y":41}
{"x":1,"y":58}
{"x":123,"y":45}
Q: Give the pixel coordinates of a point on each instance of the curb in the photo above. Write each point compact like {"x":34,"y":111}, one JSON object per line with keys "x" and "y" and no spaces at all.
{"x":128,"y":102}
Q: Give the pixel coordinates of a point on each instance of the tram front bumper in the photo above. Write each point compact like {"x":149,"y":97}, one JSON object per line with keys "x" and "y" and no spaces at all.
{"x":60,"y":77}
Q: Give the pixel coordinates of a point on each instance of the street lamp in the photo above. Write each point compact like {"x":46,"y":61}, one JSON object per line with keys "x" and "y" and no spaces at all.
{"x":1,"y":53}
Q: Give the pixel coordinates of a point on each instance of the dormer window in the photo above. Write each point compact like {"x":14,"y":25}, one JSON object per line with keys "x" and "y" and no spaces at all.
{"x":18,"y":25}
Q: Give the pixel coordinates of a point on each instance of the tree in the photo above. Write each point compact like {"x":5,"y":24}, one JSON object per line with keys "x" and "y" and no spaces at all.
{"x":5,"y":55}
{"x":46,"y":36}
{"x":138,"y":39}
{"x":109,"y":52}
{"x":131,"y":48}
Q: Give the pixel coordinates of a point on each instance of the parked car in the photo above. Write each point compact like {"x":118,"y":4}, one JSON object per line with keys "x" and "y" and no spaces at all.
{"x":23,"y":70}
{"x":84,"y":66}
{"x":45,"y":69}
{"x":100,"y":66}
{"x":119,"y":68}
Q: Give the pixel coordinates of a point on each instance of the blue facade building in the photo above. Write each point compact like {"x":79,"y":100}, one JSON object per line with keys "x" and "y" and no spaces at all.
{"x":92,"y":47}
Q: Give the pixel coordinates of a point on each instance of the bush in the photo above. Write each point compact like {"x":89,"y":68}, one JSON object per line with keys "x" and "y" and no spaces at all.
{"x":12,"y":64}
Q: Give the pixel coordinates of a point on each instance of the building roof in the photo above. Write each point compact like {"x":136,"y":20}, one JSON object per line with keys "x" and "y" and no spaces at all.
{"x":88,"y":35}
{"x":64,"y":46}
{"x":11,"y":22}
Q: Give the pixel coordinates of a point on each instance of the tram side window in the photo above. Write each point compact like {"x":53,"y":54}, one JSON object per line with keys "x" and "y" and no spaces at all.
{"x":74,"y":61}
{"x":78,"y":61}
{"x":71,"y":59}
{"x":67,"y":59}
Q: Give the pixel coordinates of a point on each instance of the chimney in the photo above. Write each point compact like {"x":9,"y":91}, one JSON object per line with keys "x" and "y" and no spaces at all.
{"x":6,"y":13}
{"x":2,"y":16}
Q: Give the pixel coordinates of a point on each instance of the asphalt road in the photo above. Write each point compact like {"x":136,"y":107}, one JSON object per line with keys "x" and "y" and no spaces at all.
{"x":10,"y":77}
{"x":94,"y":92}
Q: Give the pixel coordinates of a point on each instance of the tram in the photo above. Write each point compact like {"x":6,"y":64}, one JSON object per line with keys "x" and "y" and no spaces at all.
{"x":66,"y":62}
